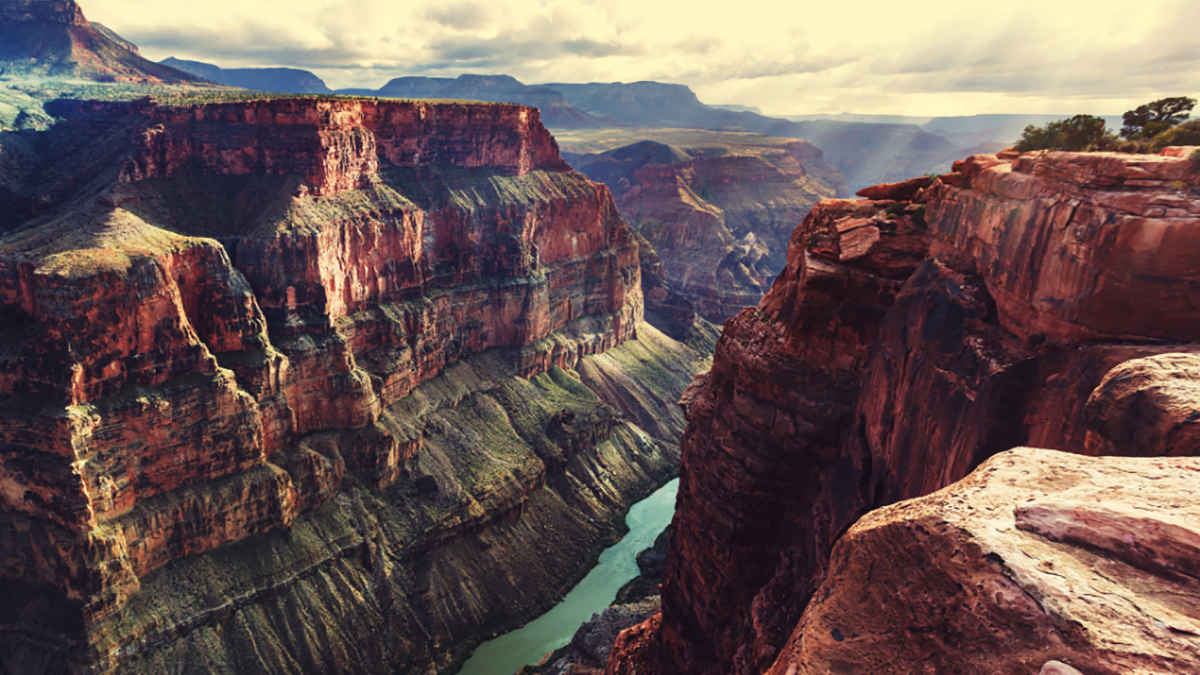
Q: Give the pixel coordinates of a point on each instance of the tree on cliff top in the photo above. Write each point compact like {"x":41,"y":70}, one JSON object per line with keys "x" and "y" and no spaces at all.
{"x":1077,"y":133}
{"x":1151,"y":119}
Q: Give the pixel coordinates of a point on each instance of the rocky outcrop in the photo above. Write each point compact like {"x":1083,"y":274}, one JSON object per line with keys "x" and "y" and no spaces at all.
{"x":1037,"y":557}
{"x":280,"y":366}
{"x":903,"y":345}
{"x":718,"y":219}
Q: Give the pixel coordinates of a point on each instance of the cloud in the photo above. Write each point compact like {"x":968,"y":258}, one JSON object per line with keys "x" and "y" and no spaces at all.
{"x":461,"y":15}
{"x":866,"y":56}
{"x":594,"y":49}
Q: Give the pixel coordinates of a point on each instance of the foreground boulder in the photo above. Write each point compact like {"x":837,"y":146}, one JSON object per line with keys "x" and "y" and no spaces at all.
{"x":1038,"y":556}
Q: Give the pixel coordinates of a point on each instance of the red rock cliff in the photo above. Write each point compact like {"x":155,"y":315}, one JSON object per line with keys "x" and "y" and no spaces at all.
{"x":245,"y":275}
{"x":718,"y":217}
{"x":911,"y":337}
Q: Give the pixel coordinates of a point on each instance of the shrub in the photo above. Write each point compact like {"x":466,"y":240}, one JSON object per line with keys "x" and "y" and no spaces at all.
{"x":1187,"y":133}
{"x":1078,"y":133}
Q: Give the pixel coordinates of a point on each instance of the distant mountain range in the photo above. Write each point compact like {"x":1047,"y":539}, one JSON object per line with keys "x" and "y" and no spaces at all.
{"x":556,"y":110}
{"x":54,"y":39}
{"x":286,"y":80}
{"x":875,"y":149}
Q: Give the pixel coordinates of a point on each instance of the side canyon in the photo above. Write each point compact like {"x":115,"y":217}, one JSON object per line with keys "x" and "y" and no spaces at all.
{"x":719,"y":210}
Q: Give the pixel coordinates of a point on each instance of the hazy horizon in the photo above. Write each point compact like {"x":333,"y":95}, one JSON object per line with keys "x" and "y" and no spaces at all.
{"x":868,"y":58}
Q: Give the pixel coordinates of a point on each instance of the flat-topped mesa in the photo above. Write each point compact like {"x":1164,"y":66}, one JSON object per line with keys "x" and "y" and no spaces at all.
{"x":334,"y":144}
{"x":912,"y":336}
{"x":361,"y":247}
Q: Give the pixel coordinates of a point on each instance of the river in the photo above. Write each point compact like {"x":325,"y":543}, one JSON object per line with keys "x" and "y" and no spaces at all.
{"x":506,"y":654}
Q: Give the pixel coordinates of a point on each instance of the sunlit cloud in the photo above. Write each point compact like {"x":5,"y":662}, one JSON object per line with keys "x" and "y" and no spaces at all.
{"x":943,"y":57}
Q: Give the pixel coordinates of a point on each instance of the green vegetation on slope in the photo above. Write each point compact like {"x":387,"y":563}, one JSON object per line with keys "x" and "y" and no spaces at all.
{"x":1148,"y":129}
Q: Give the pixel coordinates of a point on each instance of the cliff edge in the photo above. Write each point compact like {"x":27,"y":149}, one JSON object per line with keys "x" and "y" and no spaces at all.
{"x":912,"y":336}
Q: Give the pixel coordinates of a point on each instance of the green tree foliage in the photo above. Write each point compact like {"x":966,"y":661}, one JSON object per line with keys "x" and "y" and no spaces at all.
{"x":1147,"y":121}
{"x":1077,"y":133}
{"x":1187,"y":133}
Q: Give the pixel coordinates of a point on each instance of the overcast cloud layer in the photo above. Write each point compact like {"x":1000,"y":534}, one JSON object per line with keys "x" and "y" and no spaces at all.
{"x":792,"y":57}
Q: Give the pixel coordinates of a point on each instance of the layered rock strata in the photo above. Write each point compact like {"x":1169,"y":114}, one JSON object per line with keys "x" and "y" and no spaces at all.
{"x":911,"y":337}
{"x":719,"y":218}
{"x":303,"y":385}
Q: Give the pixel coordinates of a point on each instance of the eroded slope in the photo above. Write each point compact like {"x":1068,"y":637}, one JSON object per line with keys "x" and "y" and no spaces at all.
{"x":306,"y":385}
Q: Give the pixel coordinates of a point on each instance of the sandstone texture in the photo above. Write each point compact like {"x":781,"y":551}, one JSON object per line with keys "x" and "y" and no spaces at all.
{"x":1037,"y":557}
{"x":313,"y":385}
{"x":911,"y":337}
{"x":719,"y":218}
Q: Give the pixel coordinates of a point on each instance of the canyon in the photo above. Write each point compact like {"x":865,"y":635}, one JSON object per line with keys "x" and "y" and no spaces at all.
{"x":718,"y":213}
{"x":916,"y":336}
{"x":314,"y":385}
{"x":318,"y":384}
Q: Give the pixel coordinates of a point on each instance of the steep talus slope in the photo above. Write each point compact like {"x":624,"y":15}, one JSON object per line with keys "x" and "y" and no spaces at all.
{"x":306,"y":385}
{"x":911,"y":337}
{"x":719,"y":217}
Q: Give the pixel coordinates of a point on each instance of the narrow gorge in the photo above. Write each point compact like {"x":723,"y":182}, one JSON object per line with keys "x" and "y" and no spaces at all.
{"x":313,"y":385}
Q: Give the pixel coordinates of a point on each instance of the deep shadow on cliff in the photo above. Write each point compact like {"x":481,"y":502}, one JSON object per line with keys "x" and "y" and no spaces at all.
{"x":314,"y":385}
{"x":912,"y":336}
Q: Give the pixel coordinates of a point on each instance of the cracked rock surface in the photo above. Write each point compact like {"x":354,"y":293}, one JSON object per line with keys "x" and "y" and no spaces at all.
{"x":1037,"y":556}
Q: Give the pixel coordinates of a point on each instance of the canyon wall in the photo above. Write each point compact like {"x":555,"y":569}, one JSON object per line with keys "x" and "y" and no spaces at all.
{"x":719,"y":217}
{"x":302,"y":385}
{"x":913,"y":335}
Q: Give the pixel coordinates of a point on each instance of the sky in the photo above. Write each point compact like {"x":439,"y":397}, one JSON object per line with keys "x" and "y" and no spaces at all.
{"x":785,"y":57}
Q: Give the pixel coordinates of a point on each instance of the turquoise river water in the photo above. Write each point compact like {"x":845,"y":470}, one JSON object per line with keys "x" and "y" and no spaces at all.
{"x":506,"y":654}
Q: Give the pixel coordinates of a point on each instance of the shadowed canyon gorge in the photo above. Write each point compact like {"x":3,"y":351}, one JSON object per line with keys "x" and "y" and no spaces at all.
{"x":350,"y":384}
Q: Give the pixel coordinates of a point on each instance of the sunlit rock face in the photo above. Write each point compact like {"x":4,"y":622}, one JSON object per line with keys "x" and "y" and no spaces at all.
{"x":278,"y":366}
{"x":912,"y":336}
